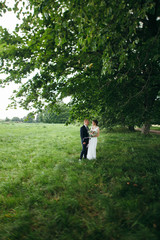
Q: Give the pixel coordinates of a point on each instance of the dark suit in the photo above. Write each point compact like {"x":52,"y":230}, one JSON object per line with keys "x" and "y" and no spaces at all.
{"x":84,"y":138}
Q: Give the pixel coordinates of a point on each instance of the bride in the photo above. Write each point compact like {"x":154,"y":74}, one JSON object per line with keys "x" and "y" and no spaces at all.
{"x":94,"y":133}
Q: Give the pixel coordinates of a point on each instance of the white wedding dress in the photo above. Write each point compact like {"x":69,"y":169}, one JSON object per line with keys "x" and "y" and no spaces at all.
{"x":91,"y":154}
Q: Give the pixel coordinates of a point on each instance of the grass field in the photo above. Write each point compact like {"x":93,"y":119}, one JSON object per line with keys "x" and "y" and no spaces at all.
{"x":47,"y":194}
{"x":155,"y":127}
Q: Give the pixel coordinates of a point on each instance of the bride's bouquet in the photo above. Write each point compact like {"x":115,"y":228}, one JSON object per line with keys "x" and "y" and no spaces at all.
{"x":92,"y":133}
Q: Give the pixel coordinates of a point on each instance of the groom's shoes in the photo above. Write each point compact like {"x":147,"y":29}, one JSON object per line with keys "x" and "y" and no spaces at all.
{"x":80,"y":160}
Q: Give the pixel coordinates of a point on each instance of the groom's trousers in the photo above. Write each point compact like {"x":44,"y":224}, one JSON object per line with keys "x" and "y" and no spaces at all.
{"x":84,"y":150}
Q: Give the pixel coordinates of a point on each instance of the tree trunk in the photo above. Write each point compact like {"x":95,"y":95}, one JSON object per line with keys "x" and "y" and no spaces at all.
{"x":131,"y":128}
{"x":146,"y":128}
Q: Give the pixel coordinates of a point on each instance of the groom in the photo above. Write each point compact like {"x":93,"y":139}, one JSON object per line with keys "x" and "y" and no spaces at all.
{"x":84,"y":138}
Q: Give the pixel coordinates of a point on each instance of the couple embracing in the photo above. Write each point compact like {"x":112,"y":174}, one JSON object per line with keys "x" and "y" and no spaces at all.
{"x":89,"y":139}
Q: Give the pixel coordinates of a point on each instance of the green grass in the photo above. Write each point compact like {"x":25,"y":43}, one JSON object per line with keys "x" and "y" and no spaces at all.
{"x":46,"y":194}
{"x":155,"y":127}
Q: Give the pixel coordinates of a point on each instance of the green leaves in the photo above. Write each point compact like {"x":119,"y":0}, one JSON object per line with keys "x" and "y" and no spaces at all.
{"x":98,"y":52}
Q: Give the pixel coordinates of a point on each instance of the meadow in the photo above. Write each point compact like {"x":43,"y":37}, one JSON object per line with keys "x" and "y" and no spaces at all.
{"x":155,"y":127}
{"x":47,"y":194}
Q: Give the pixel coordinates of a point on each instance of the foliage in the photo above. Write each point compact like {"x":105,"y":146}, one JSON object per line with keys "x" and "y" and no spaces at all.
{"x":7,"y":119}
{"x":58,"y":114}
{"x":47,"y":194}
{"x":3,"y":7}
{"x":96,"y":51}
{"x":15,"y":119}
{"x":156,"y":111}
{"x":29,"y":118}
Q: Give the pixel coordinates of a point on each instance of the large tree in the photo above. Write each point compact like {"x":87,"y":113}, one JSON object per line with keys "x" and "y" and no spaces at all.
{"x":104,"y":53}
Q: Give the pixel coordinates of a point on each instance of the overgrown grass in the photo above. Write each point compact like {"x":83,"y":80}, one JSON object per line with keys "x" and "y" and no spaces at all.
{"x":47,"y":194}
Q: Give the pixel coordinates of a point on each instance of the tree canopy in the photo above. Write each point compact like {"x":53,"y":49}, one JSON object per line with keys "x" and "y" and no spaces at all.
{"x":103,"y":53}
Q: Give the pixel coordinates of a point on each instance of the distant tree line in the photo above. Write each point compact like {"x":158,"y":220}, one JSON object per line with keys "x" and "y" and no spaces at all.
{"x":50,"y":115}
{"x":47,"y":115}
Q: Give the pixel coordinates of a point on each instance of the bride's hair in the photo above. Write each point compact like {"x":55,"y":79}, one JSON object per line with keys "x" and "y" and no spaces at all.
{"x":96,"y":122}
